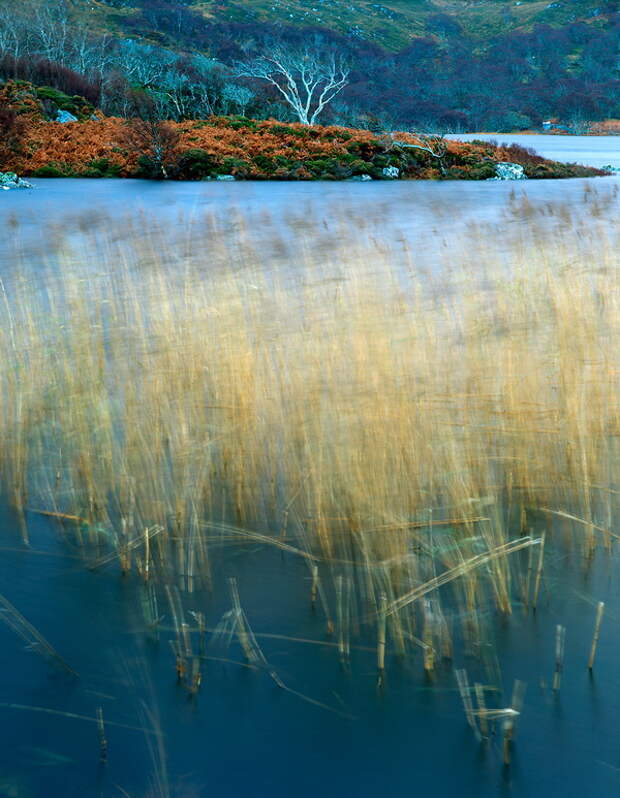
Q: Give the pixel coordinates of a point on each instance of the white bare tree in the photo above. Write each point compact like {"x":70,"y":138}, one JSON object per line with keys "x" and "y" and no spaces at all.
{"x":15,"y":33}
{"x":237,"y":97}
{"x":142,"y":64}
{"x":52,"y":29}
{"x":90,"y":55}
{"x":308,"y":80}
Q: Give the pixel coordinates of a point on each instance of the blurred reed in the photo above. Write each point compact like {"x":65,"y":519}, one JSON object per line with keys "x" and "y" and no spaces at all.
{"x":396,"y":431}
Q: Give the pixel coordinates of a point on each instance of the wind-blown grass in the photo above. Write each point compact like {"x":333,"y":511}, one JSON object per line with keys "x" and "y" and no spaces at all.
{"x":400,"y":433}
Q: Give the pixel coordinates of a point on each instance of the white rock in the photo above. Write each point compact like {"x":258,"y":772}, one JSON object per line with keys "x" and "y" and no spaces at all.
{"x":508,"y":171}
{"x":65,"y":116}
{"x":10,"y":180}
{"x":391,"y":172}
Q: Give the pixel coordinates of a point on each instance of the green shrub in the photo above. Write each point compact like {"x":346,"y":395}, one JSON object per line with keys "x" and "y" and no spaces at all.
{"x":241,"y":123}
{"x":54,"y":170}
{"x":235,"y":166}
{"x":287,"y":130}
{"x":285,"y":162}
{"x":317,"y":165}
{"x":54,"y":100}
{"x":366,"y":150}
{"x":101,"y":167}
{"x":195,"y":164}
{"x":148,"y":169}
{"x":268,"y":165}
{"x":482,"y":172}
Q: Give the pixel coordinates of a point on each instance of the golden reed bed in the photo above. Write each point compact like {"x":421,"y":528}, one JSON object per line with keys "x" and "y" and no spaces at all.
{"x":397,"y":431}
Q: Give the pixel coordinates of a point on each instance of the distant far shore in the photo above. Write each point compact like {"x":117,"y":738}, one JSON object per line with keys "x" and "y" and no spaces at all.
{"x":610,"y":127}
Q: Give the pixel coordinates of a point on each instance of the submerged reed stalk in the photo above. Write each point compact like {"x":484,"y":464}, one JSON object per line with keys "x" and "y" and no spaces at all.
{"x":381,"y":633}
{"x":242,"y":632}
{"x":560,"y":635}
{"x":202,"y":631}
{"x":342,"y":617}
{"x":600,"y":609}
{"x":482,"y":709}
{"x":103,"y":743}
{"x":464,"y":690}
{"x":314,"y":588}
{"x":539,"y":569}
{"x":510,"y":719}
{"x":34,"y":639}
{"x":508,"y":729}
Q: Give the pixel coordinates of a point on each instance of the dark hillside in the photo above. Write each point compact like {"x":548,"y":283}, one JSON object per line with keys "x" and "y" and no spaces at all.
{"x":414,"y":64}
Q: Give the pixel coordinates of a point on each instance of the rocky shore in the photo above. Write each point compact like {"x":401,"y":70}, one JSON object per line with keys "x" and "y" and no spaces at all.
{"x":9,"y":180}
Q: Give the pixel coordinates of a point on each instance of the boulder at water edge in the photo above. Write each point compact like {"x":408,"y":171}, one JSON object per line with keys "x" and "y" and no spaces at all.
{"x":508,"y":171}
{"x":10,"y":180}
{"x":391,"y":172}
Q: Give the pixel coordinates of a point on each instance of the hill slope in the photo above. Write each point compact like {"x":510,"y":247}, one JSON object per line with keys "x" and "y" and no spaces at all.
{"x":389,"y":24}
{"x":438,"y":65}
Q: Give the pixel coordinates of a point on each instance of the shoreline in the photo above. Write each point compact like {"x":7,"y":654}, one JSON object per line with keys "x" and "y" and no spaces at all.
{"x":564,"y":133}
{"x":237,"y":148}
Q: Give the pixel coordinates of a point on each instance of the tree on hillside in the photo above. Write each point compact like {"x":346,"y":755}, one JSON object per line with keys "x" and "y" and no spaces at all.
{"x":308,"y":80}
{"x":154,"y":141}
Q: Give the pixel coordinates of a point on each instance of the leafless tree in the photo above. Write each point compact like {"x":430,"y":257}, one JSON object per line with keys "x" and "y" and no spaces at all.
{"x":154,"y":141}
{"x":90,"y":55}
{"x":143,"y":64}
{"x":433,"y":144}
{"x":51,"y":26}
{"x":308,"y":80}
{"x":15,"y":30}
{"x":239,"y":97}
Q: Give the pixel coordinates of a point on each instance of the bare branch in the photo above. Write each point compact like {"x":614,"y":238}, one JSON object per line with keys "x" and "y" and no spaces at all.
{"x":307,"y":80}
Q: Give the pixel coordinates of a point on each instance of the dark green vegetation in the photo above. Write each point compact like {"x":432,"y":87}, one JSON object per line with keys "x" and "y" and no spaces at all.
{"x":53,"y":101}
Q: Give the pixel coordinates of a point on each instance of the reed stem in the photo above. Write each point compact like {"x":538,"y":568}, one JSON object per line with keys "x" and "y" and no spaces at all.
{"x":560,"y":634}
{"x":381,"y":635}
{"x":539,"y":569}
{"x":597,"y":630}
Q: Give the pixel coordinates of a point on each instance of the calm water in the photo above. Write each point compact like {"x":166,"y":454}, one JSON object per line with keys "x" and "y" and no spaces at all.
{"x":595,"y":151}
{"x":243,"y":736}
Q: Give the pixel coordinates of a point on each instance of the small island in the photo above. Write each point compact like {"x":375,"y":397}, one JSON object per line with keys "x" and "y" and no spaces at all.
{"x":49,"y":134}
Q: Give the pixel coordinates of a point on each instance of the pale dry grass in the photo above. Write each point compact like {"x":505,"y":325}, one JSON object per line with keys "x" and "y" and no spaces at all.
{"x":402,"y":435}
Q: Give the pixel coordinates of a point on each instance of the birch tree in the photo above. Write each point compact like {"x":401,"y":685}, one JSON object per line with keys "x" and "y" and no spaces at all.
{"x":308,"y":80}
{"x":15,"y":35}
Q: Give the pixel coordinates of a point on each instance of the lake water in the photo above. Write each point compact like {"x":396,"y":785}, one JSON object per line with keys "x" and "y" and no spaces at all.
{"x":415,"y":222}
{"x":598,"y":151}
{"x":335,"y":735}
{"x":242,"y":735}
